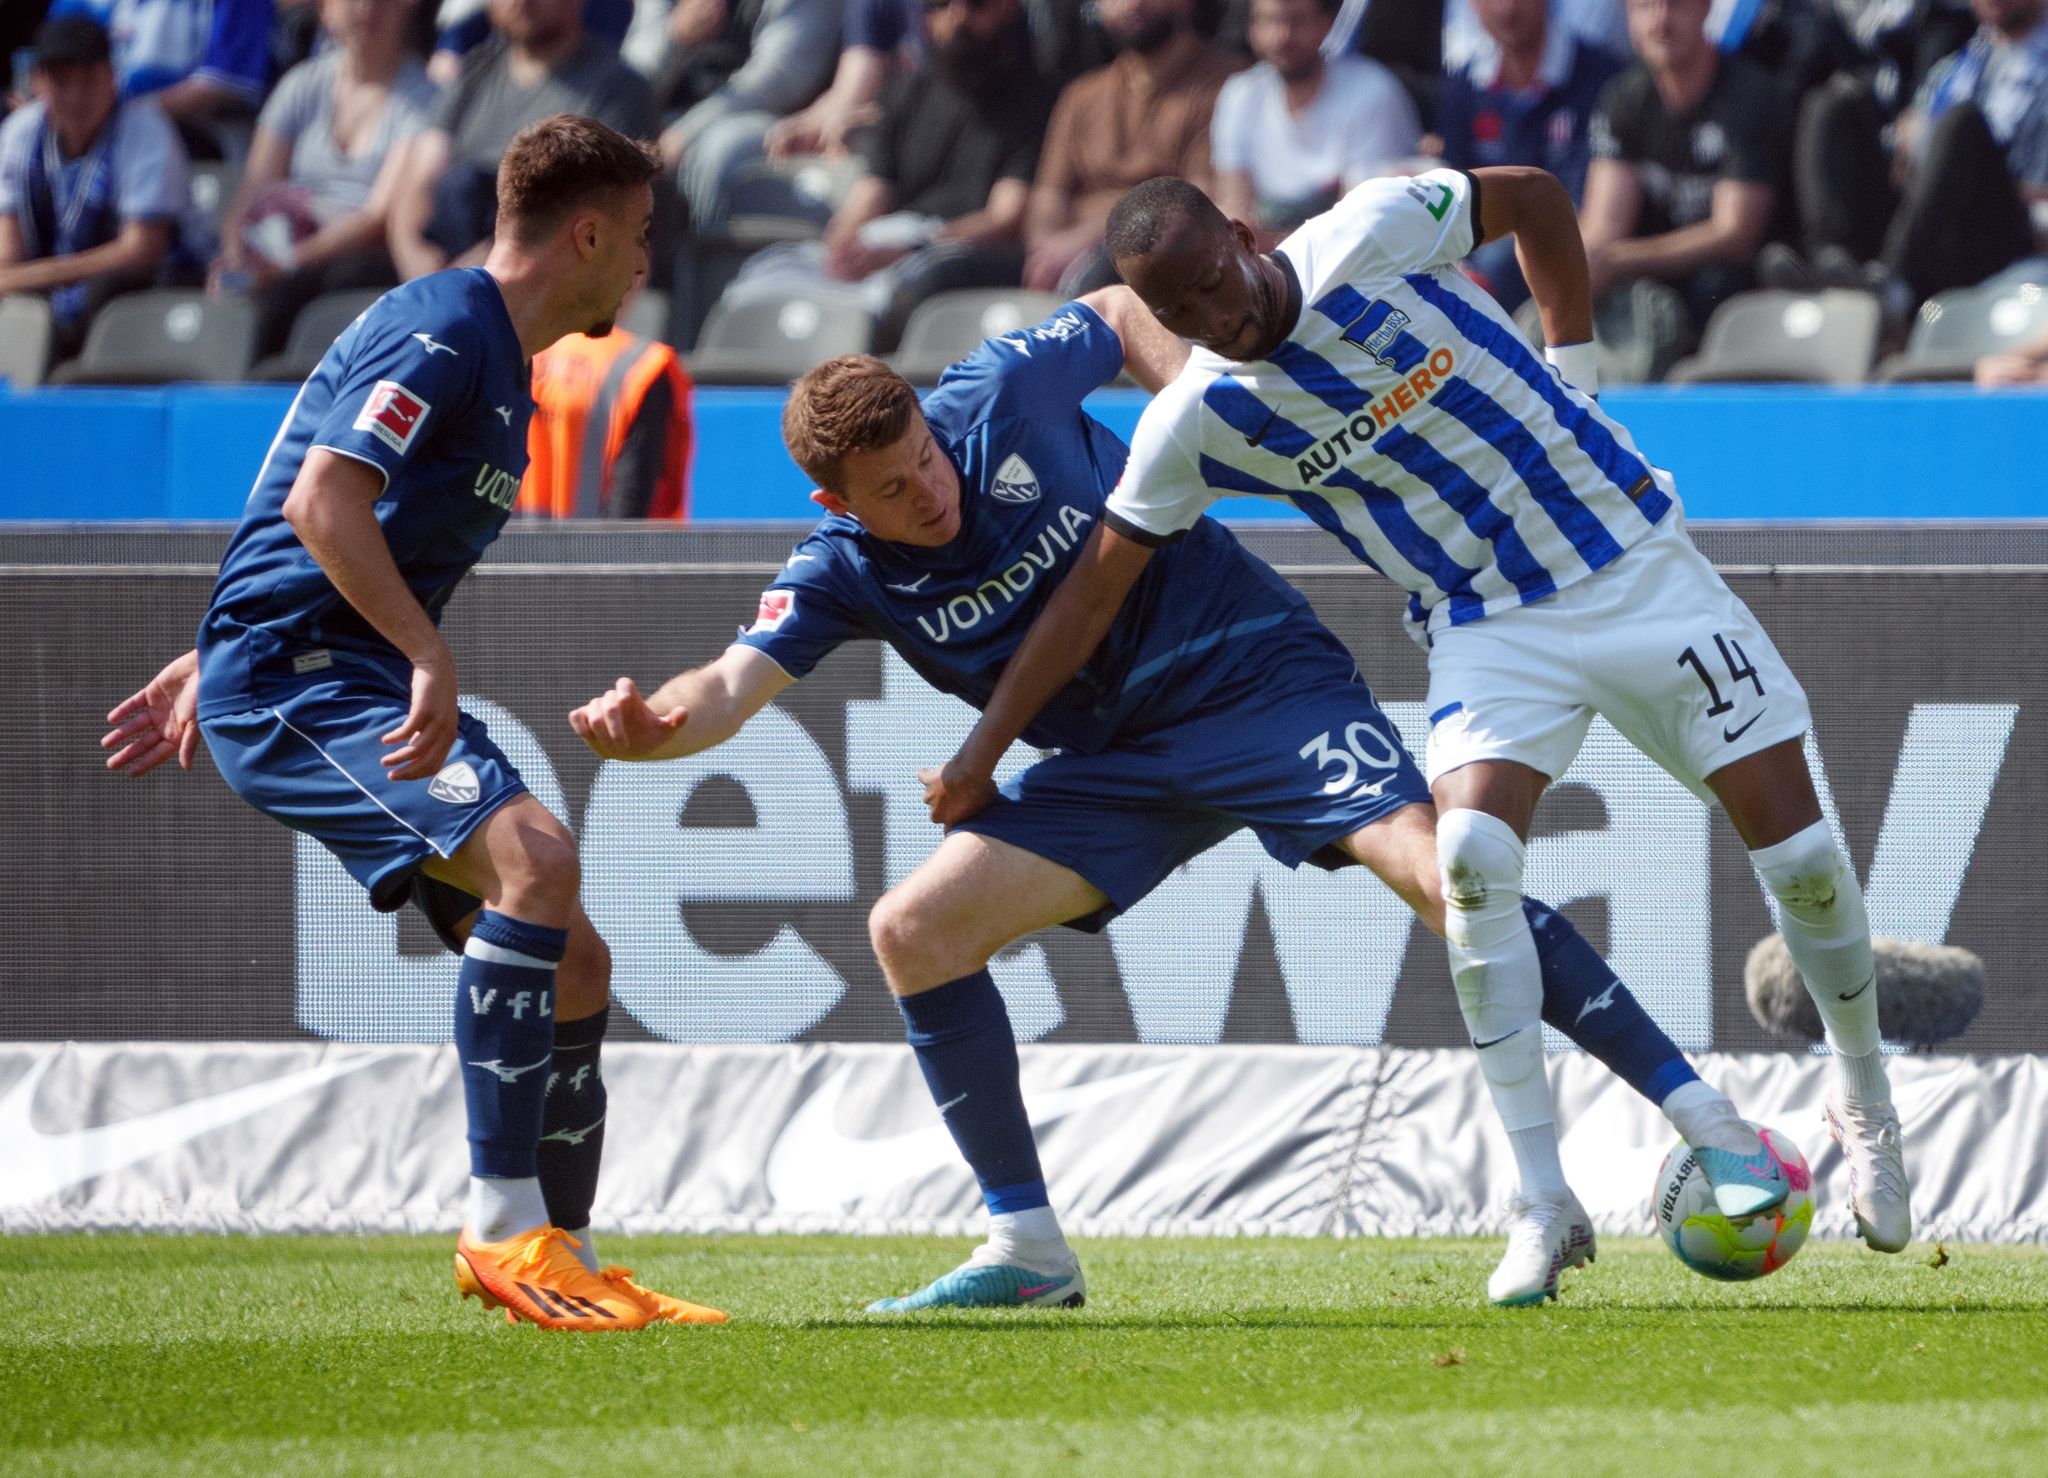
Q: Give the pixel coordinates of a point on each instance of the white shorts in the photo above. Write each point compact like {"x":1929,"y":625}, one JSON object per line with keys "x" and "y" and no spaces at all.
{"x":1656,"y":643}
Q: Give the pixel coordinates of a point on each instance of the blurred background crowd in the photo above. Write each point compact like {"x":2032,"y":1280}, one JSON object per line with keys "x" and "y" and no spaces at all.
{"x":835,"y":166}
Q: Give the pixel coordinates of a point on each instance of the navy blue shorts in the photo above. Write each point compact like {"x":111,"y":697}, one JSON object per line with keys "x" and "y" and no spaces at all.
{"x":1304,"y":764}
{"x":315,"y":762}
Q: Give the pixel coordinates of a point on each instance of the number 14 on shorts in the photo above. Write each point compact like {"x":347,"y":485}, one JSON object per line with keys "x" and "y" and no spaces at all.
{"x":1740,"y":670}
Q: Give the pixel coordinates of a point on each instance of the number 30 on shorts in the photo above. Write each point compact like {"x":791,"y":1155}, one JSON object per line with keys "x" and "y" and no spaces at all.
{"x":1365,"y":749}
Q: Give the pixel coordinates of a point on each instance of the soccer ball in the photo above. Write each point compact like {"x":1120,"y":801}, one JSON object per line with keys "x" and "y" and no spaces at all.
{"x":1748,"y":1247}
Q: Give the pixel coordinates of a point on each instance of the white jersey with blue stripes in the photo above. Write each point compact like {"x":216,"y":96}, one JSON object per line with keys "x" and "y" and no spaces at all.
{"x":1405,"y":414}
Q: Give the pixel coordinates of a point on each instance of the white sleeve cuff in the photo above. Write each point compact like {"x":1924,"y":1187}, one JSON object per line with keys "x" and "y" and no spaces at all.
{"x":1578,"y":365}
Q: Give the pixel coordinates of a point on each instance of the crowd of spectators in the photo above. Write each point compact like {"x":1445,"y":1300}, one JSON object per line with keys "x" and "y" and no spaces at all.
{"x":1896,"y":146}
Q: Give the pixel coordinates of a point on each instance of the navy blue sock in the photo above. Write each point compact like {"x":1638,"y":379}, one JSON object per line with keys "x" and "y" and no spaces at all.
{"x":1585,"y":999}
{"x":572,"y":1121}
{"x":504,"y":1038}
{"x":961,"y":1034}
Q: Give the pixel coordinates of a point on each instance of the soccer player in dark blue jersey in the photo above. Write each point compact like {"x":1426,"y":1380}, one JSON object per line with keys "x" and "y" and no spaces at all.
{"x":328,"y":698}
{"x":1218,"y":701}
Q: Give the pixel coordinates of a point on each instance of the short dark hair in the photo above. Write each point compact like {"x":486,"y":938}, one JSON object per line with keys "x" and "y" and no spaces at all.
{"x":1150,"y":211}
{"x":559,"y":163}
{"x":854,"y":403}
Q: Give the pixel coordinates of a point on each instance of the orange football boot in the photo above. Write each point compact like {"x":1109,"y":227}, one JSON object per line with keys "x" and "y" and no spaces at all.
{"x":535,"y":1276}
{"x":663,"y":1308}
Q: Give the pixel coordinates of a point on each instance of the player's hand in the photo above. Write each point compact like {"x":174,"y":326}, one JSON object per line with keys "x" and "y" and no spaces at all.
{"x":431,"y":723}
{"x":954,"y":792}
{"x":621,"y":725}
{"x":150,"y":726}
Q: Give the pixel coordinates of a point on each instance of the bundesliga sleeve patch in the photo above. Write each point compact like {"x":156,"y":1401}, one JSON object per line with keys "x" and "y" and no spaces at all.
{"x":393,"y":414}
{"x":776,"y":607}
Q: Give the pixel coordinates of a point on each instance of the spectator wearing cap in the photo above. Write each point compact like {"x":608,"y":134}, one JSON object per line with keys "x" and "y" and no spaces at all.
{"x":1957,"y":196}
{"x":311,"y":213}
{"x":1529,"y":98}
{"x":1690,"y":152}
{"x":199,"y":59}
{"x":444,"y":204}
{"x":1293,"y":133}
{"x":949,"y":169}
{"x":92,"y":188}
{"x":1147,"y":113}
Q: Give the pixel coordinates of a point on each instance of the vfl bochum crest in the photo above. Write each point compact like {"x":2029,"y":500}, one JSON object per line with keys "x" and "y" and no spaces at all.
{"x":1015,"y":481}
{"x":1375,"y":330}
{"x":457,"y":784}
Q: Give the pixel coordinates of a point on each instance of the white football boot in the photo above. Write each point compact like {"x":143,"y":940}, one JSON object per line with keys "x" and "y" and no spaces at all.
{"x":1875,"y":1150}
{"x":1544,"y":1239}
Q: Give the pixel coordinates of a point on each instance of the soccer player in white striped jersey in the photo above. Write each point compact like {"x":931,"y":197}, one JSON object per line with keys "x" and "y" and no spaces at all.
{"x":1355,"y":373}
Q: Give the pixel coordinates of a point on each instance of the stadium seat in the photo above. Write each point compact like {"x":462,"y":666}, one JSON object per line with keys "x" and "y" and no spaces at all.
{"x":318,"y":325}
{"x":1639,"y":332}
{"x":767,"y":202}
{"x":25,"y":330}
{"x":649,"y":316}
{"x":1773,"y":337}
{"x":772,"y":340}
{"x":1954,"y":330}
{"x":154,"y":338}
{"x":214,"y":183}
{"x":949,"y":326}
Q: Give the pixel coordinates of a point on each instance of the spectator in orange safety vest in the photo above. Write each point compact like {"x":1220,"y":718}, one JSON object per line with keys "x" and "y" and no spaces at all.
{"x":610,"y":436}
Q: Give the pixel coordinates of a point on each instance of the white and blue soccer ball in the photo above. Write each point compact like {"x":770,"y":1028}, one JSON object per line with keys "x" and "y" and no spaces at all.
{"x":1739,"y":1249}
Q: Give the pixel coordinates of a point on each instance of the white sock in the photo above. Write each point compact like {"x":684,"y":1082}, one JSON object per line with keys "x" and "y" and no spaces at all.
{"x":1499,"y":979}
{"x":1704,"y":1117}
{"x":1827,"y":932}
{"x":586,"y":1248}
{"x":1031,"y":1237}
{"x":504,"y":1208}
{"x":1864,"y":1079}
{"x":1536,"y":1157}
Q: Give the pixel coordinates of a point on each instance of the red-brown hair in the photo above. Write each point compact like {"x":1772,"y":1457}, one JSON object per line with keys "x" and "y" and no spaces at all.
{"x":854,"y":403}
{"x":553,"y":166}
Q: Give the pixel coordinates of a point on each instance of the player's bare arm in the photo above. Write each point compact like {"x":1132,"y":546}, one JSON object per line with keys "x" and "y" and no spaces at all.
{"x":693,"y":711}
{"x":1153,"y":354}
{"x":1739,"y":215}
{"x":1532,"y":206}
{"x":1059,"y":644}
{"x":412,"y":205}
{"x":1613,"y":203}
{"x":156,"y":722}
{"x":332,"y":507}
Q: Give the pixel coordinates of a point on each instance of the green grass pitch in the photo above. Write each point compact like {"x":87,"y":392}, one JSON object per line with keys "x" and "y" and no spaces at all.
{"x":326,"y":1355}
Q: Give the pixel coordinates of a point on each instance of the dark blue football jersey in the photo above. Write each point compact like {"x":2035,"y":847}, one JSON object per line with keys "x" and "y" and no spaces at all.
{"x":430,"y":387}
{"x":1034,"y":472}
